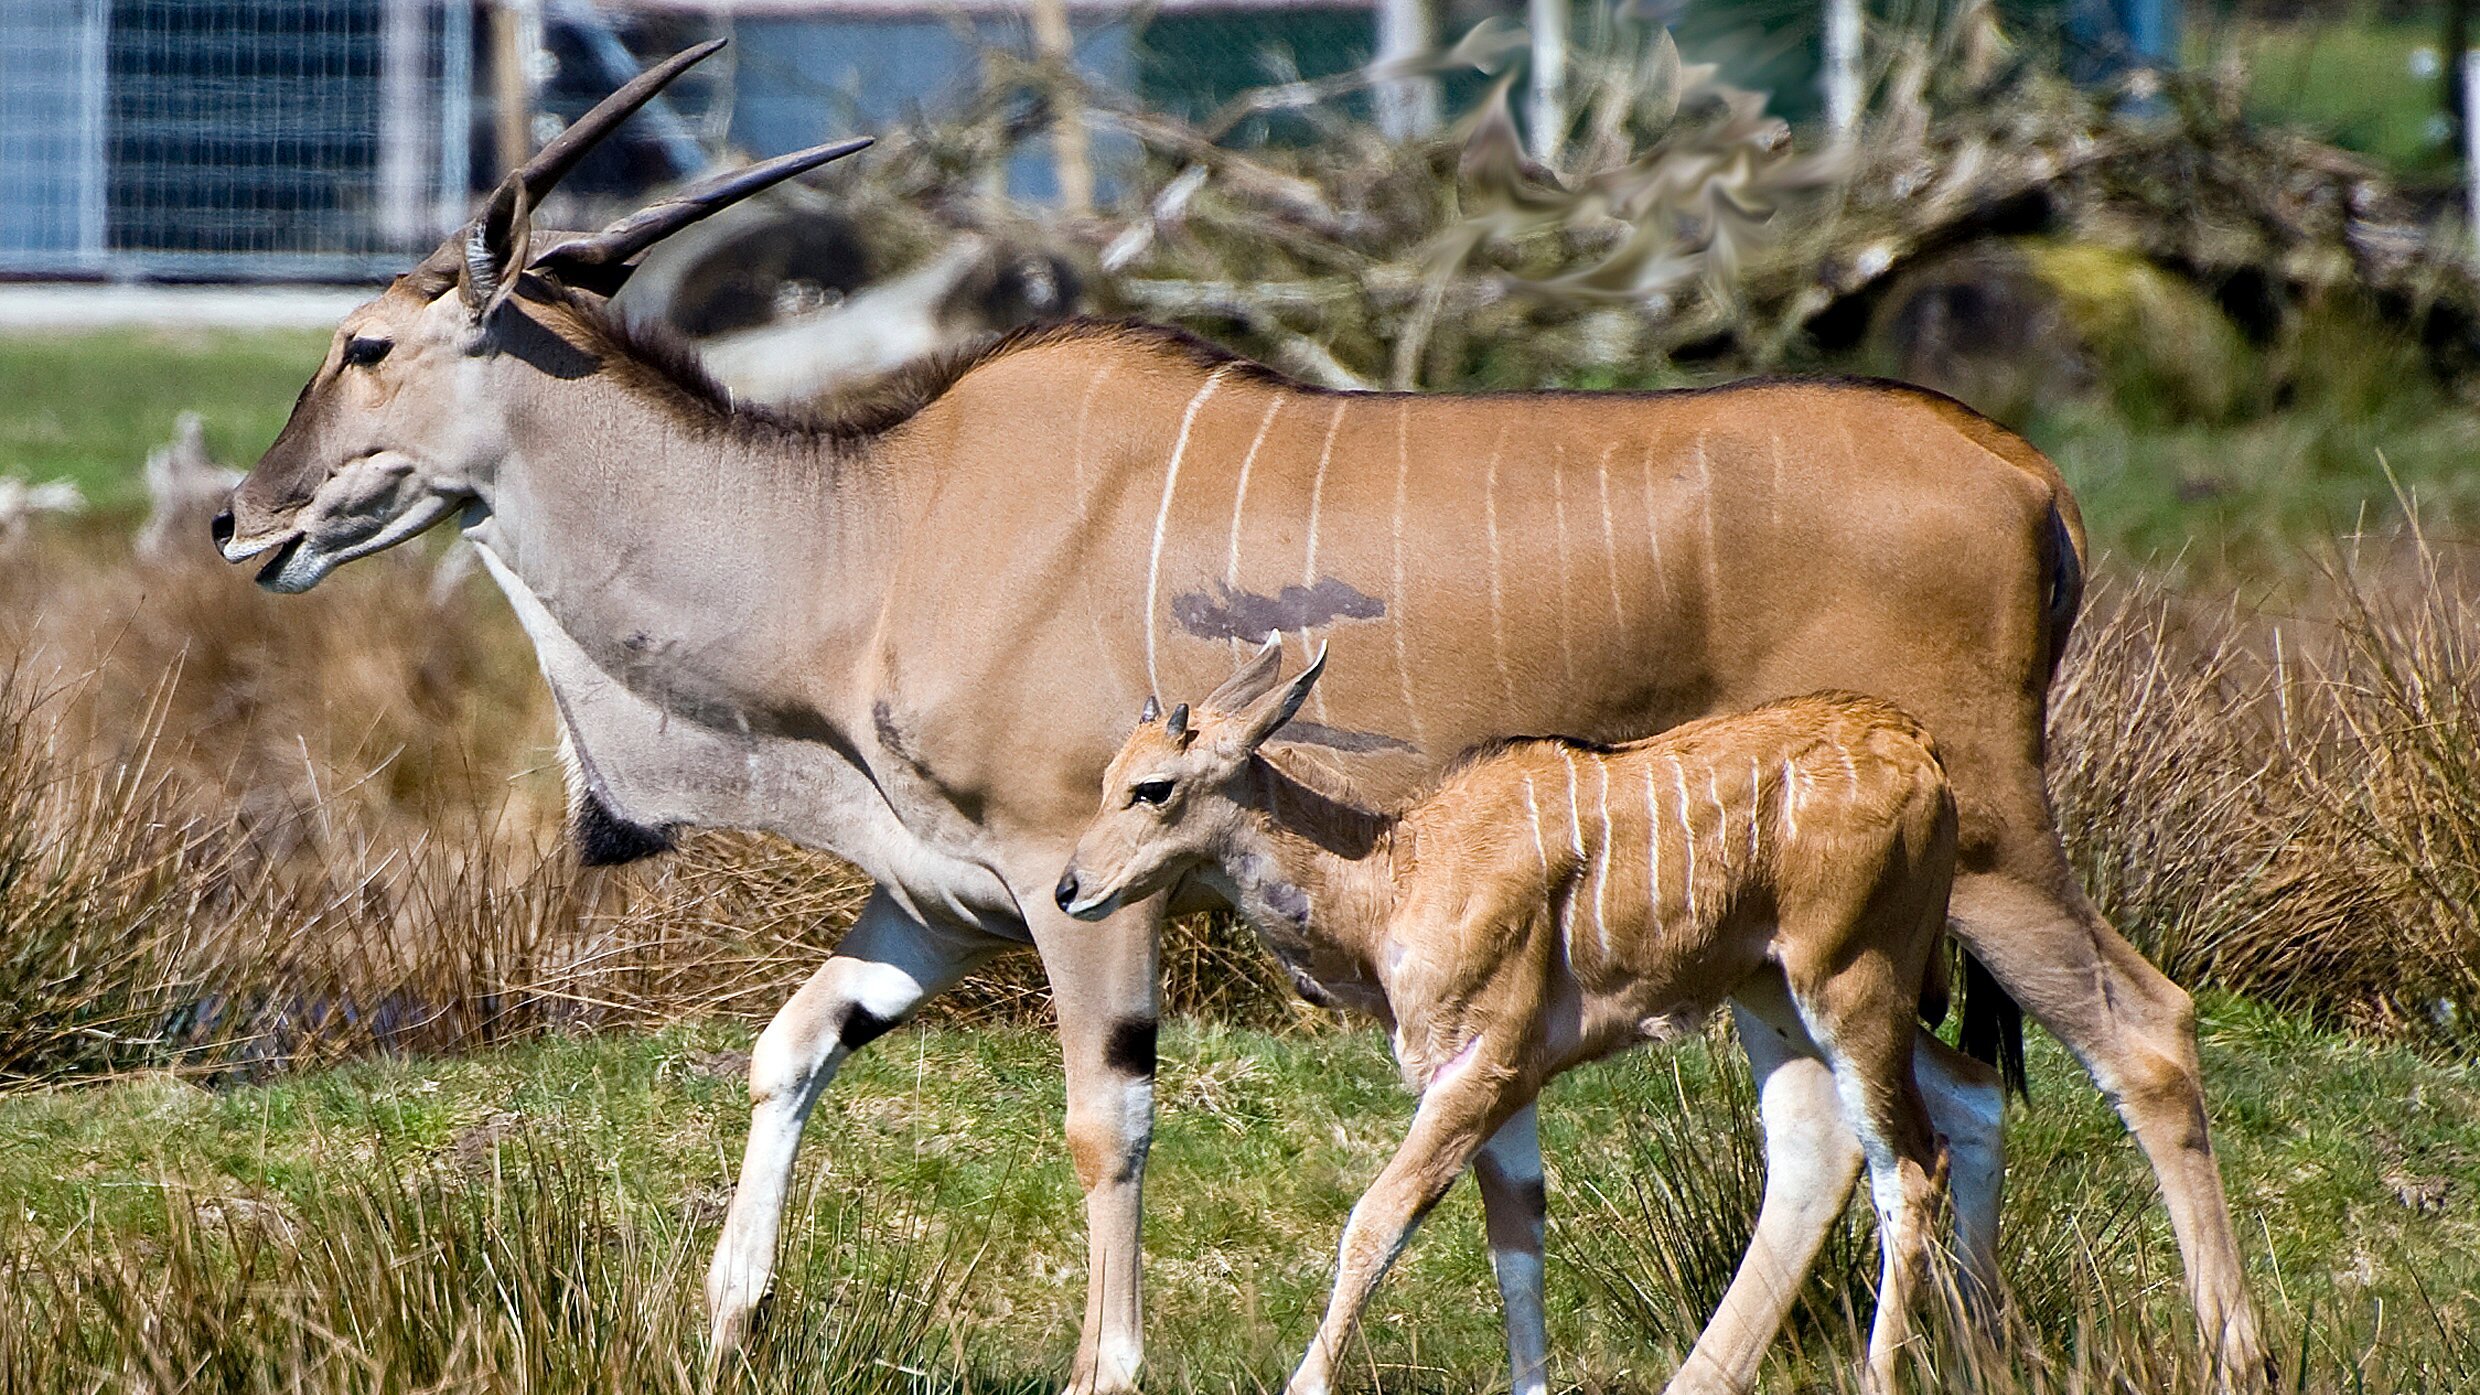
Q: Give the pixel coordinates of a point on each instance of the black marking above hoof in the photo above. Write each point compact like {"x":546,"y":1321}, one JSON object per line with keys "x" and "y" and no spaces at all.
{"x":605,"y":839}
{"x":862,"y":1026}
{"x":1133,"y":1046}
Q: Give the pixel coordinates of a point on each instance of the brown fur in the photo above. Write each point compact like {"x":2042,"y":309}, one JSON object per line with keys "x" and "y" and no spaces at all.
{"x":1553,"y":901}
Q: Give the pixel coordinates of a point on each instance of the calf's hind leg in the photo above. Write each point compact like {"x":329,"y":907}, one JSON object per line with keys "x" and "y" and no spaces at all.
{"x":2135,"y":1031}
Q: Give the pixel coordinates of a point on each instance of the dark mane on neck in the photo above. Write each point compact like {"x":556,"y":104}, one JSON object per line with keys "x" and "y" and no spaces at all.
{"x":658,"y":365}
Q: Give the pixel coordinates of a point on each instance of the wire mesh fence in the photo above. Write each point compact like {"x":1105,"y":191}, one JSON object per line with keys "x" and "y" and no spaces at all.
{"x":219,"y":137}
{"x":328,"y":139}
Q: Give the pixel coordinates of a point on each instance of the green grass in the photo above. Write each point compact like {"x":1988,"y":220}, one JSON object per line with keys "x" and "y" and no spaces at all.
{"x":2349,"y":83}
{"x":89,"y":406}
{"x":949,"y":1142}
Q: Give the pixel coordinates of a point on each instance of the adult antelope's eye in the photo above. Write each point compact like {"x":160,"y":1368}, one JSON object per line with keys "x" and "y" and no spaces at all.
{"x":1151,"y":792}
{"x":362,"y":351}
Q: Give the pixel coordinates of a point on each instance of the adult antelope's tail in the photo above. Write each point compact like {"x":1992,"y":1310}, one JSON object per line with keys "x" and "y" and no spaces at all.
{"x":1993,"y":1023}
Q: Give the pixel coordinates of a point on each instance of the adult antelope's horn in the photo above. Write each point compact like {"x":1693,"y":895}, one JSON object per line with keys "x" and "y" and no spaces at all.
{"x":551,"y":164}
{"x":579,"y":258}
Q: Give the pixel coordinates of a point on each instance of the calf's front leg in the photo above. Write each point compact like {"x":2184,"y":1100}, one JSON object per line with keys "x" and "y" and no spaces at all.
{"x":1459,"y":1111}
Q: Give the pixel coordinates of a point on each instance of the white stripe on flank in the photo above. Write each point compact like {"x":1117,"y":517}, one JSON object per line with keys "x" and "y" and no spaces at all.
{"x":1084,"y":414}
{"x":1162,"y":521}
{"x":1790,"y":800}
{"x":1705,"y":501}
{"x":1610,"y":544}
{"x":1653,"y":527}
{"x":1558,"y":511}
{"x":1498,"y":600}
{"x":1777,"y":496}
{"x":1085,"y":575}
{"x":1403,"y":662}
{"x":1532,"y":806}
{"x":1317,"y":499}
{"x":1575,"y":807}
{"x":1687,"y":838}
{"x":1851,"y":769}
{"x":1722,"y":816}
{"x":1756,"y":796}
{"x":1653,"y":847}
{"x":1601,"y":866}
{"x":1240,"y":499}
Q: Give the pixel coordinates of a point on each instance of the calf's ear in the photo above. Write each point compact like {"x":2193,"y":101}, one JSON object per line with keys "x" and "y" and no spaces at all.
{"x":1252,"y":680}
{"x":1260,"y":720}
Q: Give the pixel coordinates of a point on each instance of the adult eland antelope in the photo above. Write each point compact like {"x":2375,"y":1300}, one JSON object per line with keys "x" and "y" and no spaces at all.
{"x":1552,"y":902}
{"x":901,"y":634}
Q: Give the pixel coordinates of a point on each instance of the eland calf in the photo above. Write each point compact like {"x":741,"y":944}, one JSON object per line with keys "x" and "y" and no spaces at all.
{"x":1554,"y":901}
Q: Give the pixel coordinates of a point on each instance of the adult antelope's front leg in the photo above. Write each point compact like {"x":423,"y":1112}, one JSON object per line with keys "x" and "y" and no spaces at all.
{"x":887,"y":964}
{"x":1106,"y":985}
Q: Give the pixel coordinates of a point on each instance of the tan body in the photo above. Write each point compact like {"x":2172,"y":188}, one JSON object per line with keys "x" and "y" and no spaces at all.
{"x":1552,"y":902}
{"x":897,"y":636}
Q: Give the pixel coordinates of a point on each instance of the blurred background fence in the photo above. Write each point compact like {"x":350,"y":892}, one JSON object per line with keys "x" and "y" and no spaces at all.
{"x":324,"y":139}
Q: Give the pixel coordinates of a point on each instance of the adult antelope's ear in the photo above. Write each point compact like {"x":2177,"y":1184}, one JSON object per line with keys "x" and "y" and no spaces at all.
{"x":495,"y":251}
{"x":1254,"y":725}
{"x":1254,"y":679}
{"x":599,"y":262}
{"x":491,"y":250}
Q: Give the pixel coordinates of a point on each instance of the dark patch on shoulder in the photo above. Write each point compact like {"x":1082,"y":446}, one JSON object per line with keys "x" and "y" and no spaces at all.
{"x":1341,"y":738}
{"x":607,"y":839}
{"x":1227,"y":613}
{"x":862,"y":1026}
{"x":1132,"y":1047}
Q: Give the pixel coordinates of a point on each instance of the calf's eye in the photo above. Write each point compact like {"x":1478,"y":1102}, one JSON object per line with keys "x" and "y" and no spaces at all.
{"x":361,"y":351}
{"x":1151,"y":792}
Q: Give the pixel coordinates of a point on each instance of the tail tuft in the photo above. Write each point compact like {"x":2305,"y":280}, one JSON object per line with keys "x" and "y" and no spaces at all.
{"x":1993,"y":1027}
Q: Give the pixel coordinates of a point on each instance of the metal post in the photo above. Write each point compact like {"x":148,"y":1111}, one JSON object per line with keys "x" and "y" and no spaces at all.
{"x":1071,"y":158}
{"x":1842,"y":70}
{"x":456,"y":114}
{"x":2471,"y":146}
{"x":516,"y":37}
{"x":1407,"y":103}
{"x":403,"y":55}
{"x":1549,"y":111}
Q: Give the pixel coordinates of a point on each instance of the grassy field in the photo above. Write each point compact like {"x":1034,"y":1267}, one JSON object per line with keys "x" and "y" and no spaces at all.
{"x":223,"y":814}
{"x":935,"y":1175}
{"x":2349,"y":83}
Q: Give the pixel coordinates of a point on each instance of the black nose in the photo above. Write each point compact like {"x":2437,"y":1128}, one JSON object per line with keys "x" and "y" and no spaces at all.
{"x":1065,"y":892}
{"x":222,"y":527}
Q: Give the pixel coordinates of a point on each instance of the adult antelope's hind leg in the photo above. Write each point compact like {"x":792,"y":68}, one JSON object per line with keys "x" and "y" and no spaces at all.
{"x":2135,"y":1031}
{"x":1514,"y":1209}
{"x":887,"y":964}
{"x":1106,"y":985}
{"x":1458,"y":1113}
